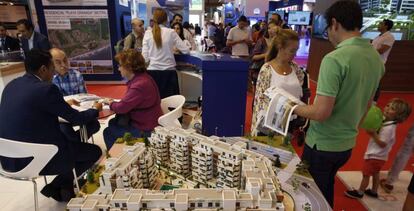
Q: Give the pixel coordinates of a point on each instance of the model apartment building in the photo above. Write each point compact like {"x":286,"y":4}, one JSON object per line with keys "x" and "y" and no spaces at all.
{"x":134,"y":168}
{"x":230,"y":177}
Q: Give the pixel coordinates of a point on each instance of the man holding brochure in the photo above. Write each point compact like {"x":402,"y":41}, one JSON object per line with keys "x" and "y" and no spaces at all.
{"x":347,"y":81}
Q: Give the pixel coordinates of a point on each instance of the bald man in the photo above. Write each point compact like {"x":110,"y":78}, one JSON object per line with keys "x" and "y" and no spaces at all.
{"x":69,"y":81}
{"x":134,"y":39}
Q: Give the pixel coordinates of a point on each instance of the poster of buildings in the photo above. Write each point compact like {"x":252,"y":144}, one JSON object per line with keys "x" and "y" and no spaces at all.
{"x":84,"y":36}
{"x":74,"y":2}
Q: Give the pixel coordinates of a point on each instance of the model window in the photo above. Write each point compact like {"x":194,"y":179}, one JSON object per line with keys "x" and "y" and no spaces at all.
{"x":200,"y":204}
{"x":124,"y":205}
{"x":237,"y":204}
{"x":144,"y":205}
{"x":192,"y":204}
{"x":210,"y":204}
{"x":172,"y":205}
{"x":217,"y":204}
{"x":116,"y":204}
{"x":100,"y":209}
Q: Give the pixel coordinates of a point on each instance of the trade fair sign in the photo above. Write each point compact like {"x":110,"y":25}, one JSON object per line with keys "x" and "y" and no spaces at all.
{"x":84,"y":36}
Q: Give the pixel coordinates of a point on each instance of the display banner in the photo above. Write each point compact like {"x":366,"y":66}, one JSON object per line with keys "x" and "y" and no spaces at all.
{"x":84,"y":36}
{"x":74,"y":3}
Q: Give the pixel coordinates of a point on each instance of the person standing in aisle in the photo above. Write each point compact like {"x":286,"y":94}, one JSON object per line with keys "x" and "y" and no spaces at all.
{"x":157,"y":50}
{"x":383,"y":44}
{"x":134,"y":39}
{"x":239,"y":38}
{"x":348,"y":78}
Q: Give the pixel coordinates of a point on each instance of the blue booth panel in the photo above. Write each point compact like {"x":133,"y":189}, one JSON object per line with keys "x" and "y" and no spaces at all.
{"x":224,"y":92}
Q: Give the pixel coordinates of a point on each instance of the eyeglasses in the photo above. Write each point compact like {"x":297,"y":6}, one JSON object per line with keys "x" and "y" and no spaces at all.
{"x":325,"y":31}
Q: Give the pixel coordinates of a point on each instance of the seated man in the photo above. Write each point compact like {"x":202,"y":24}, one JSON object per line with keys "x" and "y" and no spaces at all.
{"x":69,"y":82}
{"x":29,"y":111}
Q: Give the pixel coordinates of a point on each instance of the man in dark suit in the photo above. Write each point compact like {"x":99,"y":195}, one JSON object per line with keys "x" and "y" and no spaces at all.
{"x":31,"y":39}
{"x":29,"y":111}
{"x":7,"y":43}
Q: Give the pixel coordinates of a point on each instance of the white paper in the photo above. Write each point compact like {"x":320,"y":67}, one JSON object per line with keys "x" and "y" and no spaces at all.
{"x":280,"y":109}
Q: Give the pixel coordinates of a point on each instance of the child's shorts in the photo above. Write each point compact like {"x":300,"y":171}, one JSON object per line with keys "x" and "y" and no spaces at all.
{"x":372,"y":166}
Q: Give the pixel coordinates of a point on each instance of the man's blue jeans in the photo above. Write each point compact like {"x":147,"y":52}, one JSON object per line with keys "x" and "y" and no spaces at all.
{"x":323,"y":166}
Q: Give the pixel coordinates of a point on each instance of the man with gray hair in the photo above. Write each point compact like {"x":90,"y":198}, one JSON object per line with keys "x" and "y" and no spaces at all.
{"x":134,"y":39}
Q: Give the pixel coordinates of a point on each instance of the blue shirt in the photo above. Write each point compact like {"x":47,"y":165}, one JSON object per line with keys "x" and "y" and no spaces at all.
{"x":71,"y":83}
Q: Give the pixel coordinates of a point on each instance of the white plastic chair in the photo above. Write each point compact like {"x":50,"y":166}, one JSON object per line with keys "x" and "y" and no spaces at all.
{"x":41,"y":153}
{"x":170,"y":118}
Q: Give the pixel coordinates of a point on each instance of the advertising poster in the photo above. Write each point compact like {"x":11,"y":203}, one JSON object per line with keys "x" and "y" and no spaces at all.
{"x":84,"y":36}
{"x":74,"y":2}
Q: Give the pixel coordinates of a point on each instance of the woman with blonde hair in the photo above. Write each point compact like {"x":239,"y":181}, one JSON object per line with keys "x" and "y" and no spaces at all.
{"x":157,"y":49}
{"x":278,"y":71}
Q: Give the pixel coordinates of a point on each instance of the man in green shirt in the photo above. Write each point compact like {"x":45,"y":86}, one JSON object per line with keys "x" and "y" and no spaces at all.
{"x":347,"y":81}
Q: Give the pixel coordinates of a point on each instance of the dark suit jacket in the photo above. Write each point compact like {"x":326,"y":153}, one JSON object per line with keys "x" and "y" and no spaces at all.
{"x":11,"y":44}
{"x":29,"y":112}
{"x":39,"y":42}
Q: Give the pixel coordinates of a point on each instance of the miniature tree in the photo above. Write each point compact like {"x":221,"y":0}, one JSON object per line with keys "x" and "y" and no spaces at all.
{"x":307,"y":206}
{"x":90,"y":176}
{"x":295,"y":184}
{"x":277,"y":161}
{"x":286,"y":140}
{"x":128,"y":138}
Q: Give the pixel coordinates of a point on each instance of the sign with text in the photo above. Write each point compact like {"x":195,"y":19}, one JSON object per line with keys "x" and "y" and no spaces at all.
{"x":84,"y":36}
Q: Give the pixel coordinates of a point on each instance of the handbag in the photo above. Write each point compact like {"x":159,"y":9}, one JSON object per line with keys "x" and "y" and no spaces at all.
{"x":123,"y":120}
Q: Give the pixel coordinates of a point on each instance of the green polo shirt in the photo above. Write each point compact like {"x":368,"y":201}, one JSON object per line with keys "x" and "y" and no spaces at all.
{"x":351,"y":73}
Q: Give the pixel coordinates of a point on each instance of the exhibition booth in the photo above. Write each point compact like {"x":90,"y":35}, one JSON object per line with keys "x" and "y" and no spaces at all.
{"x":212,"y":163}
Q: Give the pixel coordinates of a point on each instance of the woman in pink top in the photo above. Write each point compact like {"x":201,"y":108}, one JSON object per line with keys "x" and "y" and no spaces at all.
{"x":141,"y":103}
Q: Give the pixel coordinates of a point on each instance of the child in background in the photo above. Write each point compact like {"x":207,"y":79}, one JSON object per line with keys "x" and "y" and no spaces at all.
{"x":403,"y":155}
{"x":380,"y":144}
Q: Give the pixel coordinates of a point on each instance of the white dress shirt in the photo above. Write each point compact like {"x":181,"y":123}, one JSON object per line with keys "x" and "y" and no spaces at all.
{"x":30,"y":41}
{"x":163,"y":58}
{"x":385,"y":39}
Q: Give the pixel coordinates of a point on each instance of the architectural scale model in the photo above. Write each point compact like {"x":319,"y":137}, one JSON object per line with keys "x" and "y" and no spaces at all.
{"x":214,"y":175}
